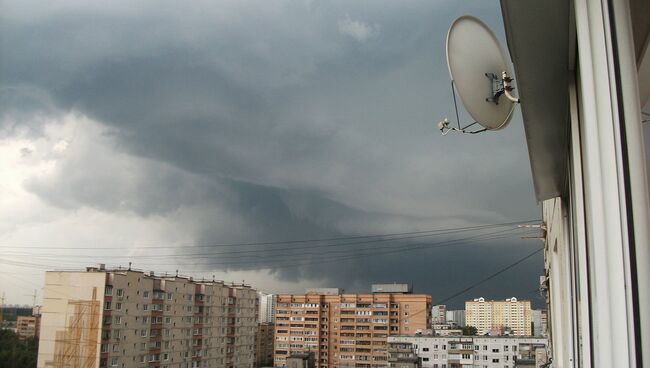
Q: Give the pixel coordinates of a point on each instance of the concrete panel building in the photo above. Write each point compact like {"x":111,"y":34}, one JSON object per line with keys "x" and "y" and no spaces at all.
{"x":439,"y":314}
{"x":490,"y":315}
{"x":266,"y":307}
{"x":457,"y":317}
{"x":123,"y":318}
{"x":475,"y":351}
{"x":28,"y":326}
{"x":346,"y":330}
{"x":402,"y":355}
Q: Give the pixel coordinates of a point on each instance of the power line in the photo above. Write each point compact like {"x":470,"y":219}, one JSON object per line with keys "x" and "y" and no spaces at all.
{"x":502,"y":270}
{"x":300,"y":241}
{"x":248,"y":253}
{"x":295,"y":262}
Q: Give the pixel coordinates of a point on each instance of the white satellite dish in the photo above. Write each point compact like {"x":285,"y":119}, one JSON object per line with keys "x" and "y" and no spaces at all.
{"x":480,"y":73}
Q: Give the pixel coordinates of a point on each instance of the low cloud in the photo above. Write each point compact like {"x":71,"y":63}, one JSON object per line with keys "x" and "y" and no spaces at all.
{"x":357,"y":29}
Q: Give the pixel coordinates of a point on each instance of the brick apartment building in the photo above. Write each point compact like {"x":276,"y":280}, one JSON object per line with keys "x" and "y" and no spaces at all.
{"x":347,"y":330}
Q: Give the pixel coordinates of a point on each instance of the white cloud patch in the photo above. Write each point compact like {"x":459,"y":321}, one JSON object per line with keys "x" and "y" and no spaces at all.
{"x":358,"y":30}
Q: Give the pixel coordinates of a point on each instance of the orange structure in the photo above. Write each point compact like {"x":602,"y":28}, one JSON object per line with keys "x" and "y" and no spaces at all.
{"x":346,"y":330}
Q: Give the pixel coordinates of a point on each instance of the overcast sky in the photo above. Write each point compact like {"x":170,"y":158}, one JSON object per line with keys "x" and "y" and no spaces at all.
{"x":126,"y":126}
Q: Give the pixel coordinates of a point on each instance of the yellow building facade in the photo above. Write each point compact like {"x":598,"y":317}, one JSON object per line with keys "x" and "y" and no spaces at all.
{"x":499,"y":315}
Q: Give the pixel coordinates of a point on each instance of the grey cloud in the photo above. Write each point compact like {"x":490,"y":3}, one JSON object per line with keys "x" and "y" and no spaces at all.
{"x":267,"y":114}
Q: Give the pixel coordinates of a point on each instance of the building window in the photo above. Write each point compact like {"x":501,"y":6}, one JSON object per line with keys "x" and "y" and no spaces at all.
{"x":145,"y":294}
{"x":145,"y":307}
{"x":120,"y":292}
{"x":495,"y":360}
{"x":118,"y":306}
{"x":107,"y":305}
{"x":114,"y":361}
{"x":108,"y":290}
{"x":425,"y":349}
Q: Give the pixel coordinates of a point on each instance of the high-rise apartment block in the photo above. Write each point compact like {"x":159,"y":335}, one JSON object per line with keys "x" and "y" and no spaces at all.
{"x":264,"y":345}
{"x":456,"y":317}
{"x":28,"y":326}
{"x":439,"y":314}
{"x":490,"y":315}
{"x":266,"y":307}
{"x":347,"y":330}
{"x":130,"y":319}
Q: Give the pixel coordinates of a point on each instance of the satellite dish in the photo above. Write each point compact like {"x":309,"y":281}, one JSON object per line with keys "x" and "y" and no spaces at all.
{"x":480,"y":73}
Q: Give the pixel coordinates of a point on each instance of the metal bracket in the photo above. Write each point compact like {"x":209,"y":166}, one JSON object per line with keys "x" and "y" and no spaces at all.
{"x":500,"y":86}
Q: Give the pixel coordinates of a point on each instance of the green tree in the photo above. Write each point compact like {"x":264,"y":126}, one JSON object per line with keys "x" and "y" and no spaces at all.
{"x":469,"y":331}
{"x":16,"y":353}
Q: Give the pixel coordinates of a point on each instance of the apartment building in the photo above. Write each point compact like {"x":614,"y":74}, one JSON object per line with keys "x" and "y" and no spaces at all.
{"x":472,"y":351}
{"x":28,"y":326}
{"x":439,"y":314}
{"x":347,"y":330}
{"x":264,"y":345}
{"x":402,"y":355}
{"x":131,"y":319}
{"x":489,"y":316}
{"x":457,"y":317}
{"x":266,"y":307}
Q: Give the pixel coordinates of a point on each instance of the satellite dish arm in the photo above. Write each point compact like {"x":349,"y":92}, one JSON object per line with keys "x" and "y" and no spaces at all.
{"x":507,"y":87}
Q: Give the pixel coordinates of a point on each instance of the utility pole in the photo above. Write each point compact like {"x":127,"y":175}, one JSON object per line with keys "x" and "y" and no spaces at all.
{"x":2,"y":307}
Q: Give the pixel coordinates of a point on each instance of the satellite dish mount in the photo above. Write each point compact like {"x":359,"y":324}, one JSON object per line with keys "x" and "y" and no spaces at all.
{"x":480,"y":74}
{"x":501,"y":87}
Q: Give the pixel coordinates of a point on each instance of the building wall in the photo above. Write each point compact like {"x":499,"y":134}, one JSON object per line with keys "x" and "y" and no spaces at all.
{"x":456,"y":316}
{"x":27,"y":326}
{"x":266,"y":307}
{"x":136,"y":319}
{"x":439,"y":314}
{"x":264,"y":342}
{"x":487,"y":315}
{"x":474,"y":351}
{"x":71,"y":313}
{"x":348,"y":329}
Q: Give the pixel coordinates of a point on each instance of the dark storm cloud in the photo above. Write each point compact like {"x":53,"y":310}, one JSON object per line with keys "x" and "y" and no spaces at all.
{"x":299,"y":119}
